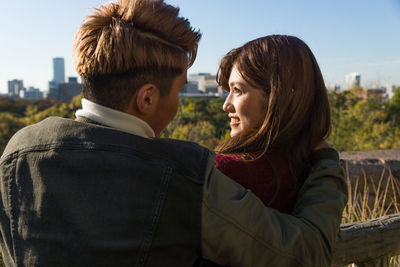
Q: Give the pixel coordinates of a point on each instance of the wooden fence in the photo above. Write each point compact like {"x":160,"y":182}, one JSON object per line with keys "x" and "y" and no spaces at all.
{"x":368,"y":244}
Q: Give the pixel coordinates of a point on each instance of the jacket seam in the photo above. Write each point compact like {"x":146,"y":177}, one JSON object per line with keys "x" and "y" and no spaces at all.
{"x":203,"y":165}
{"x":205,"y":174}
{"x":72,"y":146}
{"x":104,"y":147}
{"x":12,"y":210}
{"x":158,"y":206}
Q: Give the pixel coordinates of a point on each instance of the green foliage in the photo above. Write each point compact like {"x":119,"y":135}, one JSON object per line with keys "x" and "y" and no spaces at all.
{"x":18,"y":113}
{"x":203,"y":132}
{"x":18,"y":106}
{"x":364,"y":120}
{"x":200,"y":120}
{"x":9,"y":125}
{"x":394,"y":108}
{"x":61,"y":110}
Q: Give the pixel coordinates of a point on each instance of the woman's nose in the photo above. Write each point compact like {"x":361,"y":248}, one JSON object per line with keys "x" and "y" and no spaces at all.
{"x":227,"y":106}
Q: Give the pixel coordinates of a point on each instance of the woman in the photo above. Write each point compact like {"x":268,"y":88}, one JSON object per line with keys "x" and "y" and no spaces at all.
{"x":279,"y":111}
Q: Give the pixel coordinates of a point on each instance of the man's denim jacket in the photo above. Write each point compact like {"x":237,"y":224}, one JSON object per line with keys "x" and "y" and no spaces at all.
{"x":80,"y":194}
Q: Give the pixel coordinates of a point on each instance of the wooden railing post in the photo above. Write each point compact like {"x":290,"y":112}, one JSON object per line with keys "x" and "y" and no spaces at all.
{"x":379,"y":262}
{"x":368,"y":244}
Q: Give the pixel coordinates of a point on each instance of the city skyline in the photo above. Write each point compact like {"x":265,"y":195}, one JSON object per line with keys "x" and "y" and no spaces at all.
{"x":345,"y":36}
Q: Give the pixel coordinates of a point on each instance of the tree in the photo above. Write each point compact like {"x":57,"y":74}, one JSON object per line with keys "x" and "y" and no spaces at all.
{"x":64,"y":110}
{"x":360,"y":121}
{"x":195,"y":110}
{"x":202,"y":132}
{"x":9,"y":125}
{"x":394,"y":108}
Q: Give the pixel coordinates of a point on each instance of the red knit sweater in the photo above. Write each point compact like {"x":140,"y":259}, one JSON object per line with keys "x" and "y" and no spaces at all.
{"x":269,"y":177}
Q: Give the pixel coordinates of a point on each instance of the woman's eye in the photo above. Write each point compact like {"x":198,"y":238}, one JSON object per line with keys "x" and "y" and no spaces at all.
{"x":236,"y":90}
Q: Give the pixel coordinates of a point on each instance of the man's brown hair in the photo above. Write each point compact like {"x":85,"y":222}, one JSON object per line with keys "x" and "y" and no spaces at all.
{"x":126,"y":44}
{"x":297,"y":108}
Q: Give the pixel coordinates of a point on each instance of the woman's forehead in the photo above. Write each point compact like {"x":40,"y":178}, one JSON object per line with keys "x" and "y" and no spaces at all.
{"x":235,"y":76}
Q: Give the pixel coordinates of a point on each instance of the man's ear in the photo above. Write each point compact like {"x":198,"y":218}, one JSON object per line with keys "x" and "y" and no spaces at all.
{"x":147,"y":98}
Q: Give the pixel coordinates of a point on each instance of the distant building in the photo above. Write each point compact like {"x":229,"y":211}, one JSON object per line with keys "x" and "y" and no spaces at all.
{"x":191,"y":87}
{"x":66,"y":91}
{"x":390,"y":88}
{"x":333,"y":87}
{"x":15,"y":87}
{"x":58,"y":78}
{"x":202,"y":85}
{"x":53,"y":90}
{"x":58,"y":70}
{"x":352,"y":80}
{"x":206,"y":82}
{"x":31,"y":93}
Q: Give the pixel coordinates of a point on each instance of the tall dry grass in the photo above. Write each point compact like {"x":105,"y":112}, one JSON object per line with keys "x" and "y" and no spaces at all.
{"x":384,"y":200}
{"x":363,"y":206}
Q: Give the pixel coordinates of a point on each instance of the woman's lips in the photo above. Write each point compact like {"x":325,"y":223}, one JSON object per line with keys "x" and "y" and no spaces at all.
{"x":234,"y":121}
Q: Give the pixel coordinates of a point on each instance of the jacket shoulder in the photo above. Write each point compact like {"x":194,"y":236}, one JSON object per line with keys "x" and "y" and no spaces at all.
{"x":188,"y":156}
{"x":32,"y":135}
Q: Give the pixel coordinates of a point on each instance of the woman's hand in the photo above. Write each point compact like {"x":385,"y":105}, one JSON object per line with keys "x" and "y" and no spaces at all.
{"x":322,"y":144}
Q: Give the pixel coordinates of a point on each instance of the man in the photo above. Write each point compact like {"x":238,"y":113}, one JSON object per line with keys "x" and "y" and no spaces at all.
{"x":104,"y":191}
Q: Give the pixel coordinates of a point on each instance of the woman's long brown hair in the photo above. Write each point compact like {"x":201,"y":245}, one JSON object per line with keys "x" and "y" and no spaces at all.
{"x":297,"y":109}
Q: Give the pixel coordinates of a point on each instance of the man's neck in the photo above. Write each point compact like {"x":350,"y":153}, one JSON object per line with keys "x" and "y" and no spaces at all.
{"x":115,"y":119}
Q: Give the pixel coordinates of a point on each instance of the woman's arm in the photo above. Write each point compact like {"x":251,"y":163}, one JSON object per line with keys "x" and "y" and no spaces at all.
{"x":237,"y":229}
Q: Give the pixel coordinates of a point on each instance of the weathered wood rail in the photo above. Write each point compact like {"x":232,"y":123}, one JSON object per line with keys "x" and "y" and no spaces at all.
{"x":368,"y":244}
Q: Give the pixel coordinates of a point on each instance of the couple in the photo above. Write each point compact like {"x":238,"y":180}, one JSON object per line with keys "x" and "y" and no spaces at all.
{"x":103,"y":190}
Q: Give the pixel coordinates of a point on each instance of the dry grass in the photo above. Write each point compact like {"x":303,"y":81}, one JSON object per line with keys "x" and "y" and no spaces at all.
{"x":362,"y":205}
{"x":385,"y":198}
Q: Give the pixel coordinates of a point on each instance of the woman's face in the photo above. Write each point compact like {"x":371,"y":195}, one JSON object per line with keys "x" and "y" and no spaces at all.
{"x":246,"y":106}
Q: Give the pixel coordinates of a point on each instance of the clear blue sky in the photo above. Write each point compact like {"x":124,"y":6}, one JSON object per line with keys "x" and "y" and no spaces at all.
{"x":345,"y":36}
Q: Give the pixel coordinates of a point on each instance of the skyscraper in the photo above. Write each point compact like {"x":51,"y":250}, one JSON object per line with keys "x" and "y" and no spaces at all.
{"x":352,"y":80}
{"x":31,"y":93}
{"x":66,"y":91}
{"x":15,"y":87}
{"x":58,"y":70}
{"x":390,"y":89}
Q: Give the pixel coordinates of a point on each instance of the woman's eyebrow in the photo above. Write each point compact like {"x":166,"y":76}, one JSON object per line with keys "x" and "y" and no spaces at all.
{"x":237,"y":83}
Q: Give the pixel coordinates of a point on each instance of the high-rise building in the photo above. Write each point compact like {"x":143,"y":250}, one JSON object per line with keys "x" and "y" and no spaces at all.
{"x":58,"y":70}
{"x":58,"y":77}
{"x":352,"y":80}
{"x":205,"y":82}
{"x":66,"y":91}
{"x":15,"y":87}
{"x":190,"y":88}
{"x":53,"y":90}
{"x":333,"y":87}
{"x":390,"y":89}
{"x":31,"y":93}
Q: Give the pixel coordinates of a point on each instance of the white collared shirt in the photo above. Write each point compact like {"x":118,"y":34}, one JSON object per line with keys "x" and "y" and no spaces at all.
{"x":114,"y":119}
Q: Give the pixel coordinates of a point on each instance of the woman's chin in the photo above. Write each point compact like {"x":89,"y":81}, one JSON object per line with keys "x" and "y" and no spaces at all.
{"x":234,"y":132}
